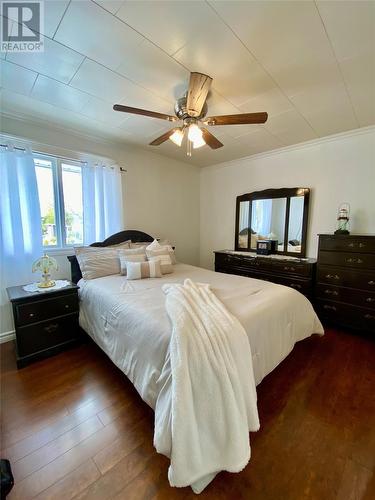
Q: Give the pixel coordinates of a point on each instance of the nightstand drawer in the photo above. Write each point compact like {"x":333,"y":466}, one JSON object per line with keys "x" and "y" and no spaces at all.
{"x":40,"y":310}
{"x":48,"y":334}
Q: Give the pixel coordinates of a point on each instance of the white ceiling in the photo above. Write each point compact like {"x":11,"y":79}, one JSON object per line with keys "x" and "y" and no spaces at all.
{"x":309,"y":64}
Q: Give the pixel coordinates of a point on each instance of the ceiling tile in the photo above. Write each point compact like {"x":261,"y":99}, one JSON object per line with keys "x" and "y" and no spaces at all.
{"x":56,"y":61}
{"x":218,"y":53}
{"x":277,"y":33}
{"x":153,"y":69}
{"x":350,"y":26}
{"x":53,"y":13}
{"x":101,"y":82}
{"x":111,"y":5}
{"x":273,"y":102}
{"x":145,"y":128}
{"x":177,"y":22}
{"x":217,"y":105}
{"x":96,"y":33}
{"x":16,"y":78}
{"x":102,"y":111}
{"x":359,"y":74}
{"x":290,"y":128}
{"x":325,"y":107}
{"x":59,"y":94}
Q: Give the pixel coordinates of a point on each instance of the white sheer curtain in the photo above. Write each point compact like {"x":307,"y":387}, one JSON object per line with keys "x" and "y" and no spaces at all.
{"x":102,"y":202}
{"x":20,"y":223}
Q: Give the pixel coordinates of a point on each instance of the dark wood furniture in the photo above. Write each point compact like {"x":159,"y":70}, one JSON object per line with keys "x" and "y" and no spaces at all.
{"x":45,"y":322}
{"x":296,"y":273}
{"x":131,"y":234}
{"x":345,"y":285}
{"x":288,"y":219}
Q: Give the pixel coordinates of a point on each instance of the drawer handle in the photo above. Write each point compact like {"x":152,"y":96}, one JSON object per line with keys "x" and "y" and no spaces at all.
{"x":371,"y":282}
{"x":287,"y":268}
{"x":51,"y":328}
{"x":357,"y":261}
{"x":370,"y":299}
{"x":332,"y":308}
{"x":331,"y":292}
{"x":369,"y":316}
{"x":361,"y":245}
{"x":295,"y":285}
{"x":333,"y":276}
{"x":350,"y":244}
{"x":67,"y":306}
{"x":31,"y":315}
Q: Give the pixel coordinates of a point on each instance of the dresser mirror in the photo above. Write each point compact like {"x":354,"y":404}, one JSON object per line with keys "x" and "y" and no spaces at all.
{"x":276,"y":214}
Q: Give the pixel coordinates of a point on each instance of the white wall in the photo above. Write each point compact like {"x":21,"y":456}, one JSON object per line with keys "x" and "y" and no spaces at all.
{"x":337,"y":169}
{"x":161,"y":195}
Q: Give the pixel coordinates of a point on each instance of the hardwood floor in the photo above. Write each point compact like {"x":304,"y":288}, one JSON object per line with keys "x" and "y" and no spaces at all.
{"x":74,"y":427}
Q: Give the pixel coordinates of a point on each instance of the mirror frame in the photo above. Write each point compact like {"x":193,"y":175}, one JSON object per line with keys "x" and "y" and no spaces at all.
{"x":287,"y":193}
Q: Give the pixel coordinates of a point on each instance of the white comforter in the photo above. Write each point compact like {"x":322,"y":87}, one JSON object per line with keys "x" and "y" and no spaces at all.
{"x":129,"y":321}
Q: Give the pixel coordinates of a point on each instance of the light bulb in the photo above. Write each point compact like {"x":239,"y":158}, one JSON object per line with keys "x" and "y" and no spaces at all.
{"x":177,"y":137}
{"x":195,"y":133}
{"x":198,"y":143}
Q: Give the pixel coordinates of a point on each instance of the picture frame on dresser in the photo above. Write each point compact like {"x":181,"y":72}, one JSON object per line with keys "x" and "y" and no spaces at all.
{"x":345,"y":282}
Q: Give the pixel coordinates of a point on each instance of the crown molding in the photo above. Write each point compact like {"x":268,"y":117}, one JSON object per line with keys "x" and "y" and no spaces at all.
{"x":295,"y":147}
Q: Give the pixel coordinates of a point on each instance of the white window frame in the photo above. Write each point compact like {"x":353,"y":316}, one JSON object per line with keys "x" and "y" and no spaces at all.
{"x":58,"y":192}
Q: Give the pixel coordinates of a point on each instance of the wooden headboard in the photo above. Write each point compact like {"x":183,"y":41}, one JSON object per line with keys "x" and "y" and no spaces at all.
{"x":115,"y":239}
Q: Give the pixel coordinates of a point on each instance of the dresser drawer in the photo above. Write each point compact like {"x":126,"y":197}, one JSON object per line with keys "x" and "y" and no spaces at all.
{"x":347,"y":315}
{"x":286,"y":267}
{"x":303,"y":286}
{"x":355,"y":260}
{"x":351,"y":244}
{"x":48,"y":334}
{"x":348,"y":295}
{"x":364,"y":280}
{"x":44,"y":309}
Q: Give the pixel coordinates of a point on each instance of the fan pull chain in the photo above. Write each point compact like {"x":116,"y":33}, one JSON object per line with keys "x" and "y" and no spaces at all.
{"x":188,"y":152}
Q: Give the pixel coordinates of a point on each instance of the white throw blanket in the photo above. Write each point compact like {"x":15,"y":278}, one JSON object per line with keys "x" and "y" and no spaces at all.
{"x":213,"y":404}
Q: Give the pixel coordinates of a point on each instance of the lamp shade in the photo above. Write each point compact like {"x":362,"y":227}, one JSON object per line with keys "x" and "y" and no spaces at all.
{"x":177,"y":137}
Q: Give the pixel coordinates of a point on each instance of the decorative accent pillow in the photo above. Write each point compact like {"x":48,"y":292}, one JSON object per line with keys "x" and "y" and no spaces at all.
{"x":155,"y":246}
{"x":140,"y":270}
{"x":125,"y":259}
{"x":164,"y":258}
{"x":100,"y":263}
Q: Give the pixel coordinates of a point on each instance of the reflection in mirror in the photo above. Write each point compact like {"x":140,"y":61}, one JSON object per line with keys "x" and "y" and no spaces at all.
{"x":295,"y":224}
{"x":268,"y":221}
{"x":243,"y":226}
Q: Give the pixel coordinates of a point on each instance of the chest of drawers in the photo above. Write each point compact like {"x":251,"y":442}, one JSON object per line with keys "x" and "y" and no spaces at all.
{"x":296,"y":273}
{"x":345,"y":284}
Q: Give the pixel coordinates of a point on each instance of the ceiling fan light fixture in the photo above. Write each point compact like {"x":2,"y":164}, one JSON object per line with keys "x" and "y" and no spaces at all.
{"x":195,"y":133}
{"x":177,"y":137}
{"x":198,"y":143}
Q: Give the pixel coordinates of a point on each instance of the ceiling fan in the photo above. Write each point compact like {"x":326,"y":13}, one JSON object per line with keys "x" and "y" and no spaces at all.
{"x":191,"y":109}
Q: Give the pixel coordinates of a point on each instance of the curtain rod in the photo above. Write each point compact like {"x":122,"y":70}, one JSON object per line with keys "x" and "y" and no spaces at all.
{"x":54,"y":156}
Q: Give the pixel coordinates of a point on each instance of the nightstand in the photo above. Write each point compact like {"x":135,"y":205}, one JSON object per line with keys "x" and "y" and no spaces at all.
{"x":45,"y":322}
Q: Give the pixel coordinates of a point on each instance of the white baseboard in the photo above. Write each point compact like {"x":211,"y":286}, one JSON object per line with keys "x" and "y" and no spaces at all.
{"x":7,"y":336}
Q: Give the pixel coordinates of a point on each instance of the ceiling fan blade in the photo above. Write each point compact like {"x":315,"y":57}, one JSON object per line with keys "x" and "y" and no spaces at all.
{"x":199,"y":85}
{"x":164,"y":137}
{"x":211,"y":140}
{"x":144,"y":112}
{"x":240,"y":119}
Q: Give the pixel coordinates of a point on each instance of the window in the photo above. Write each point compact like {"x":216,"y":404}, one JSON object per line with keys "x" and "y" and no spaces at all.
{"x":60,"y":197}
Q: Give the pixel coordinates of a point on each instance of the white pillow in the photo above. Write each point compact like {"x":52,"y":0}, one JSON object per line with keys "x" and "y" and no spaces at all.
{"x":125,"y":259}
{"x":155,"y":246}
{"x":99,"y":263}
{"x":131,"y":255}
{"x":119,"y":246}
{"x":141,"y":270}
{"x":164,"y":258}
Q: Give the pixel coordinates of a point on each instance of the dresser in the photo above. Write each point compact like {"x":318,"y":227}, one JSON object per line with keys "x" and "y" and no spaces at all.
{"x":294,"y":272}
{"x":45,"y":322}
{"x":345,"y":284}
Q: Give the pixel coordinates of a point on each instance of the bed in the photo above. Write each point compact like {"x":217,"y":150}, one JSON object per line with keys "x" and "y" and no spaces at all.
{"x":128,"y":320}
